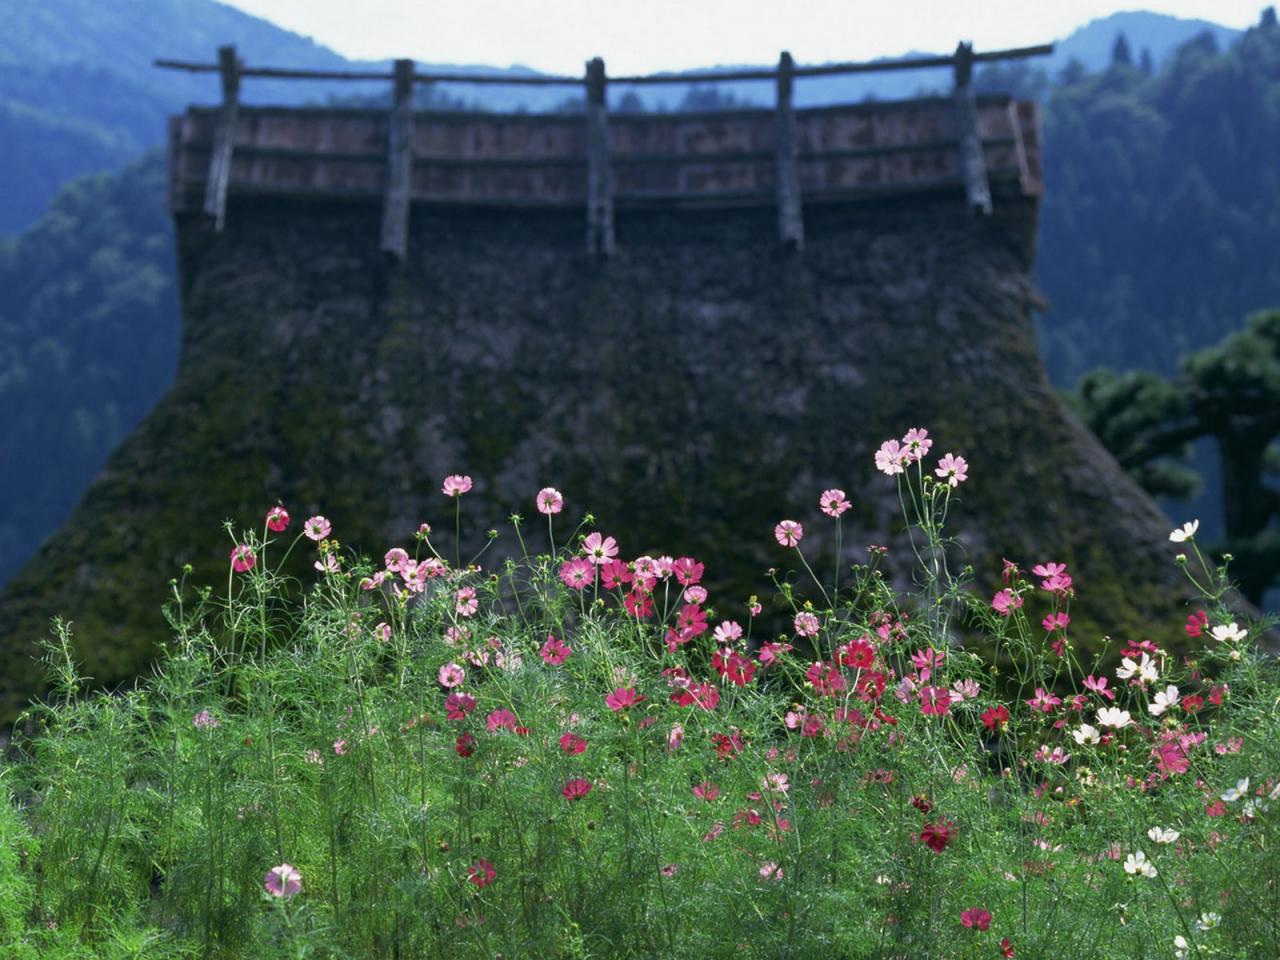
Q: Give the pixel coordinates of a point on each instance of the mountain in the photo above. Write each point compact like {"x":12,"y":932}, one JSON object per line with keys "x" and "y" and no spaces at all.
{"x":1157,"y":33}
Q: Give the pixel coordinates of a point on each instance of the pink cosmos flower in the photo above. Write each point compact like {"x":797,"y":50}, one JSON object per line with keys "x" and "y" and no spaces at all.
{"x":622,"y":698}
{"x":395,"y":559}
{"x":340,"y":747}
{"x":204,"y":720}
{"x":771,"y":871}
{"x":935,"y":701}
{"x":382,"y":631}
{"x":833,"y":502}
{"x":481,"y":873}
{"x":328,"y":563}
{"x":550,"y":501}
{"x":455,"y":485}
{"x":769,"y":652}
{"x":451,"y":675}
{"x":706,"y":791}
{"x":976,"y":918}
{"x":317,"y":528}
{"x":890,"y":458}
{"x":1044,"y":701}
{"x":576,"y":789}
{"x":695,"y":595}
{"x":963,"y":690}
{"x":1005,"y":602}
{"x":554,"y":652}
{"x":242,"y":558}
{"x":277,"y":519}
{"x":916,"y":444}
{"x":755,"y":608}
{"x":1056,"y":621}
{"x":465,"y":603}
{"x":599,"y":549}
{"x":686,"y":570}
{"x":576,"y":573}
{"x":572,"y":744}
{"x":727,"y":632}
{"x":788,"y":533}
{"x":283,"y":881}
{"x":501,"y":719}
{"x":675,"y":737}
{"x":954,"y":470}
{"x":806,"y":624}
{"x":1099,"y":686}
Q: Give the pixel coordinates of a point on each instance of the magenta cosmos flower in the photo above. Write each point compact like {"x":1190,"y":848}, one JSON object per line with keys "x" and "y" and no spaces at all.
{"x":317,"y":528}
{"x":550,"y":501}
{"x":788,"y":533}
{"x":555,"y":651}
{"x":952,"y":469}
{"x":833,"y":502}
{"x":622,"y":698}
{"x":455,"y":485}
{"x":576,"y":789}
{"x":283,"y":881}
{"x":571,"y":743}
{"x":976,"y":918}
{"x":481,"y":873}
{"x":242,"y":558}
{"x":277,"y":519}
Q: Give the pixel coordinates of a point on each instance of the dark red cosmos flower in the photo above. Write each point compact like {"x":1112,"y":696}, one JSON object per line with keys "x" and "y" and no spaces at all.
{"x":576,"y":789}
{"x":1006,"y":948}
{"x":936,"y":836}
{"x":481,"y":873}
{"x":921,"y":803}
{"x":995,"y":717}
{"x":465,"y":745}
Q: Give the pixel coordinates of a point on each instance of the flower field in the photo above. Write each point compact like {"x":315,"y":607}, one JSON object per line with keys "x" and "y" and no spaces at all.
{"x":580,"y":753}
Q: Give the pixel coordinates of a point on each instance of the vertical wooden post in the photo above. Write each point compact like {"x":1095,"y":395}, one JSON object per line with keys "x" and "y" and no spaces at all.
{"x":600,"y":239}
{"x":215,"y":189}
{"x":973,"y":163}
{"x":790,"y":217}
{"x":398,"y":185}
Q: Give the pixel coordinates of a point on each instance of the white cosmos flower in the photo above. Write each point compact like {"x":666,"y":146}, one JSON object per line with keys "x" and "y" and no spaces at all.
{"x":1208,"y":921}
{"x":1275,"y":793}
{"x":1166,"y":698}
{"x":1085,"y":735}
{"x":1231,"y":633}
{"x":1137,"y":863}
{"x":1160,"y":835}
{"x":1113,"y":717}
{"x":1185,"y":532}
{"x":1239,"y":790}
{"x":1181,"y":949}
{"x":1145,"y":668}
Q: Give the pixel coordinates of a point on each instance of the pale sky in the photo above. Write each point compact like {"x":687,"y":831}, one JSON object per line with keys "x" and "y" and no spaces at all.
{"x":650,"y":35}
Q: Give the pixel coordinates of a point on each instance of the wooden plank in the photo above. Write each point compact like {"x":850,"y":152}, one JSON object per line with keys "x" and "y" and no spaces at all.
{"x":973,"y":164}
{"x":790,"y":215}
{"x":398,"y":185}
{"x":215,"y":197}
{"x":600,"y":236}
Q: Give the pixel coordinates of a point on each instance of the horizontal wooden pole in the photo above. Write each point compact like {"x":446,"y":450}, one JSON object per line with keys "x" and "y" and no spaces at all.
{"x":541,"y":80}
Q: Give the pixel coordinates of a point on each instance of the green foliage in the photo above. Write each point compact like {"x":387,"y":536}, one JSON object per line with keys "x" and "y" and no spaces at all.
{"x":309,"y":726}
{"x":1161,"y":205}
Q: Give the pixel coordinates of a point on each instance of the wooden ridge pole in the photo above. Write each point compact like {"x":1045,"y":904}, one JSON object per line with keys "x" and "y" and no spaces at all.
{"x":973,"y":163}
{"x":398,"y":186}
{"x":600,"y":237}
{"x":790,"y":215}
{"x":215,"y":189}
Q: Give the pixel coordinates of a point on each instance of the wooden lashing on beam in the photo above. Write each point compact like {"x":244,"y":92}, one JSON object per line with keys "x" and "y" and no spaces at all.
{"x":399,"y":181}
{"x":215,"y":188}
{"x":790,"y":218}
{"x":600,"y":239}
{"x":973,"y":163}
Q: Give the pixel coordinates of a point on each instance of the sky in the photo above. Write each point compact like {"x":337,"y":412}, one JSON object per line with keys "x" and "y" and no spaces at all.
{"x":649,"y":35}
